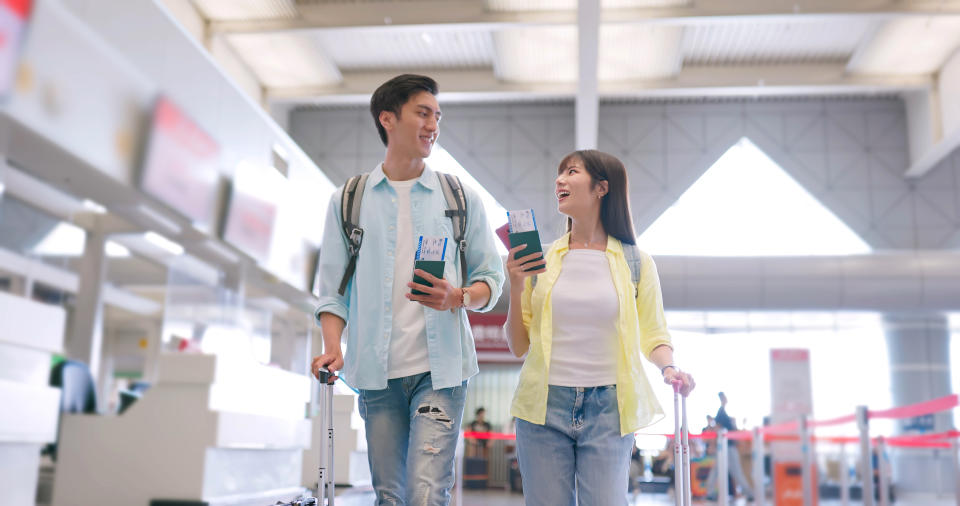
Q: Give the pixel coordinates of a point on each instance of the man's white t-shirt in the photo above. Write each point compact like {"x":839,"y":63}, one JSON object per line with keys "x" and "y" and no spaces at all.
{"x":408,"y":336}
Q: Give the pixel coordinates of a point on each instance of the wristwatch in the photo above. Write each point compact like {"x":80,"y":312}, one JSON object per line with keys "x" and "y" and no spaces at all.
{"x":465,"y":297}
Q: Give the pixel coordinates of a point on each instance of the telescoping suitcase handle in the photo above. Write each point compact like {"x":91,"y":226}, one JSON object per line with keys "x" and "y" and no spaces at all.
{"x":325,"y":478}
{"x":681,"y":449}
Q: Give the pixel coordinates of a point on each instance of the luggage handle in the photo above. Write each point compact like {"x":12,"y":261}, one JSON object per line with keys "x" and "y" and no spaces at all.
{"x":681,"y":448}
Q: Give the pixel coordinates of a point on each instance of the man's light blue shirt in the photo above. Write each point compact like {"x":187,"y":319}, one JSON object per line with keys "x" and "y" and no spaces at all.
{"x":366,"y":303}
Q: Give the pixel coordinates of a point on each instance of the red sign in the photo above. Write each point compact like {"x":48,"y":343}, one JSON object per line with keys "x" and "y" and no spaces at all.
{"x":489,"y":339}
{"x":181,"y":167}
{"x":13,"y":21}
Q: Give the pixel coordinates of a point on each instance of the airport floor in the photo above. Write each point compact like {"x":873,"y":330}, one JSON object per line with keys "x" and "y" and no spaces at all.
{"x":493,"y":497}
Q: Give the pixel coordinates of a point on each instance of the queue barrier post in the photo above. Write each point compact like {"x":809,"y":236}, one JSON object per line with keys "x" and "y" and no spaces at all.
{"x":866,"y":464}
{"x":882,"y":476}
{"x":722,"y":469}
{"x":844,"y":476}
{"x":759,"y":490}
{"x":806,"y":461}
{"x":955,"y":451}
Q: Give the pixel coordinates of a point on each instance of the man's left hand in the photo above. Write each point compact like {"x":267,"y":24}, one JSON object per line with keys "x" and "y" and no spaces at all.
{"x":441,"y":296}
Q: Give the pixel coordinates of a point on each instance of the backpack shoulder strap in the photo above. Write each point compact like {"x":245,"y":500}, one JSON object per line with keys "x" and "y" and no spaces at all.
{"x":635,"y":261}
{"x":457,"y":204}
{"x":350,"y":201}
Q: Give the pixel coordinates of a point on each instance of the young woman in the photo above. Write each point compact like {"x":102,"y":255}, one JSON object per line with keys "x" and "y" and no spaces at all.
{"x":584,"y":326}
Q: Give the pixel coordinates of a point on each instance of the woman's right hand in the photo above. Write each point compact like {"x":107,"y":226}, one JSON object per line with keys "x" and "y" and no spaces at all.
{"x":517,"y":267}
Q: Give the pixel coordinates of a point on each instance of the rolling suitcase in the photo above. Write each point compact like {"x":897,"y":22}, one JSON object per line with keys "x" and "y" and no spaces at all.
{"x":681,"y":449}
{"x":325,"y":476}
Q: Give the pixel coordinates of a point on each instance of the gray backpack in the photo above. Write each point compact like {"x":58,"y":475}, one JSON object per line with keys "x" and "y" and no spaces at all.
{"x":350,"y":214}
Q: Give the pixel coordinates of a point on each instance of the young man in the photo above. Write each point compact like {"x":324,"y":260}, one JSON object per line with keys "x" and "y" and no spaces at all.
{"x":409,"y":355}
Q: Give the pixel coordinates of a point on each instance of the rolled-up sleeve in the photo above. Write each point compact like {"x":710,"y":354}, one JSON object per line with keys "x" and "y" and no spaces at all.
{"x":333,"y":263}
{"x":483,"y":261}
{"x":653,"y":322}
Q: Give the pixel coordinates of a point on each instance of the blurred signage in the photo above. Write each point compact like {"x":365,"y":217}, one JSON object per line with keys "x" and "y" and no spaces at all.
{"x":489,"y":338}
{"x":790,"y":387}
{"x":181,"y":165}
{"x":250,"y":216}
{"x":13,"y":22}
{"x":791,"y":395}
{"x":920,"y":424}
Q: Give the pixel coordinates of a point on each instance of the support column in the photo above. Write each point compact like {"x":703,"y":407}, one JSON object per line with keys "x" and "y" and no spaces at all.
{"x":588,"y":99}
{"x":919,"y":352}
{"x":85,"y":340}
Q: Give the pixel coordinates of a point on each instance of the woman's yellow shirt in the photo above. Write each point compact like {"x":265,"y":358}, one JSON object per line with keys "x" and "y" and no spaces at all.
{"x":641,"y":327}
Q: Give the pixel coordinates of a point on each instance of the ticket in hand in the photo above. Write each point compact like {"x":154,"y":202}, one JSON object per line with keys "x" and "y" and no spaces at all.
{"x":523,"y":230}
{"x":431,"y":248}
{"x":430,"y":255}
{"x":521,"y":221}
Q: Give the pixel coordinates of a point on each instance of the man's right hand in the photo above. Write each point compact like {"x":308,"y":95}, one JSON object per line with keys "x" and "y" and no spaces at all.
{"x":332,"y":361}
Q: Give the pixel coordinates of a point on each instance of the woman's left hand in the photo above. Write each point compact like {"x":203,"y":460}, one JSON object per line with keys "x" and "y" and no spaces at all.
{"x":673,"y":375}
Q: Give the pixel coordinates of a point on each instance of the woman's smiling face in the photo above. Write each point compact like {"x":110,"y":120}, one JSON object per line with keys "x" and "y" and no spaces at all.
{"x":575,"y":191}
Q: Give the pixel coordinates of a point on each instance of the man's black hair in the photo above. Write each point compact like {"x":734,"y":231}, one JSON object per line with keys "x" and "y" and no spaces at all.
{"x":391,"y":96}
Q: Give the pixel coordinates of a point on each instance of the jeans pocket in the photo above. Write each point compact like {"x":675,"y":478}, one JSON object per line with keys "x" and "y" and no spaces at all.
{"x":362,"y":405}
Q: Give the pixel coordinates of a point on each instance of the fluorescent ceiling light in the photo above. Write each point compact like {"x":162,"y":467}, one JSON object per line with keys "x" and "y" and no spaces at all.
{"x":115,"y":250}
{"x":221,"y":251}
{"x":93,"y":207}
{"x":443,"y":161}
{"x":169,"y":226}
{"x":3,"y":187}
{"x":67,"y":240}
{"x":163,"y":243}
{"x":910,"y":45}
{"x":282,"y":60}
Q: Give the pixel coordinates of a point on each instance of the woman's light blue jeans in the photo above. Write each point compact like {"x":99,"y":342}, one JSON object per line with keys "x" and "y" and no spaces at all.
{"x":410,"y":414}
{"x":578,"y":456}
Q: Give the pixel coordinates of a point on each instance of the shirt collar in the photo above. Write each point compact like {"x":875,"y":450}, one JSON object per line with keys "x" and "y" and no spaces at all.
{"x":427,"y":179}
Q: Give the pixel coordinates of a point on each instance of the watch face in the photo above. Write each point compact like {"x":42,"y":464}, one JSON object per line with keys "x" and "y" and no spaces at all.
{"x":466,"y":297}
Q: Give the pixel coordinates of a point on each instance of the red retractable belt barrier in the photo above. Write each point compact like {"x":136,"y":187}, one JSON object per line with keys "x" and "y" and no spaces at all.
{"x":833,"y":421}
{"x":487,"y":435}
{"x":919,"y":409}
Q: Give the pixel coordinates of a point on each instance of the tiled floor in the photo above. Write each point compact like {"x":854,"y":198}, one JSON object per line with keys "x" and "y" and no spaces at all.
{"x":504,"y":498}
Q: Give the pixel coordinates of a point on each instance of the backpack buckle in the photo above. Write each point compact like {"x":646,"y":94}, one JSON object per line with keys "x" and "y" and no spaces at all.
{"x":356,"y":239}
{"x":463,"y":245}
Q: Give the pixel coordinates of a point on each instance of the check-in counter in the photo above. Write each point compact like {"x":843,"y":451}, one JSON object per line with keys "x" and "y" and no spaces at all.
{"x":211,"y":431}
{"x":30,"y":332}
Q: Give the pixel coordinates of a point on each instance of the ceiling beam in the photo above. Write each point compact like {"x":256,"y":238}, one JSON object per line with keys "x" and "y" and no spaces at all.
{"x":457,"y":14}
{"x":744,"y":80}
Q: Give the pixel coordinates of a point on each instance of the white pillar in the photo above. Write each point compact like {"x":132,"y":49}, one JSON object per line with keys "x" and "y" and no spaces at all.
{"x":588,"y":99}
{"x":86,"y":330}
